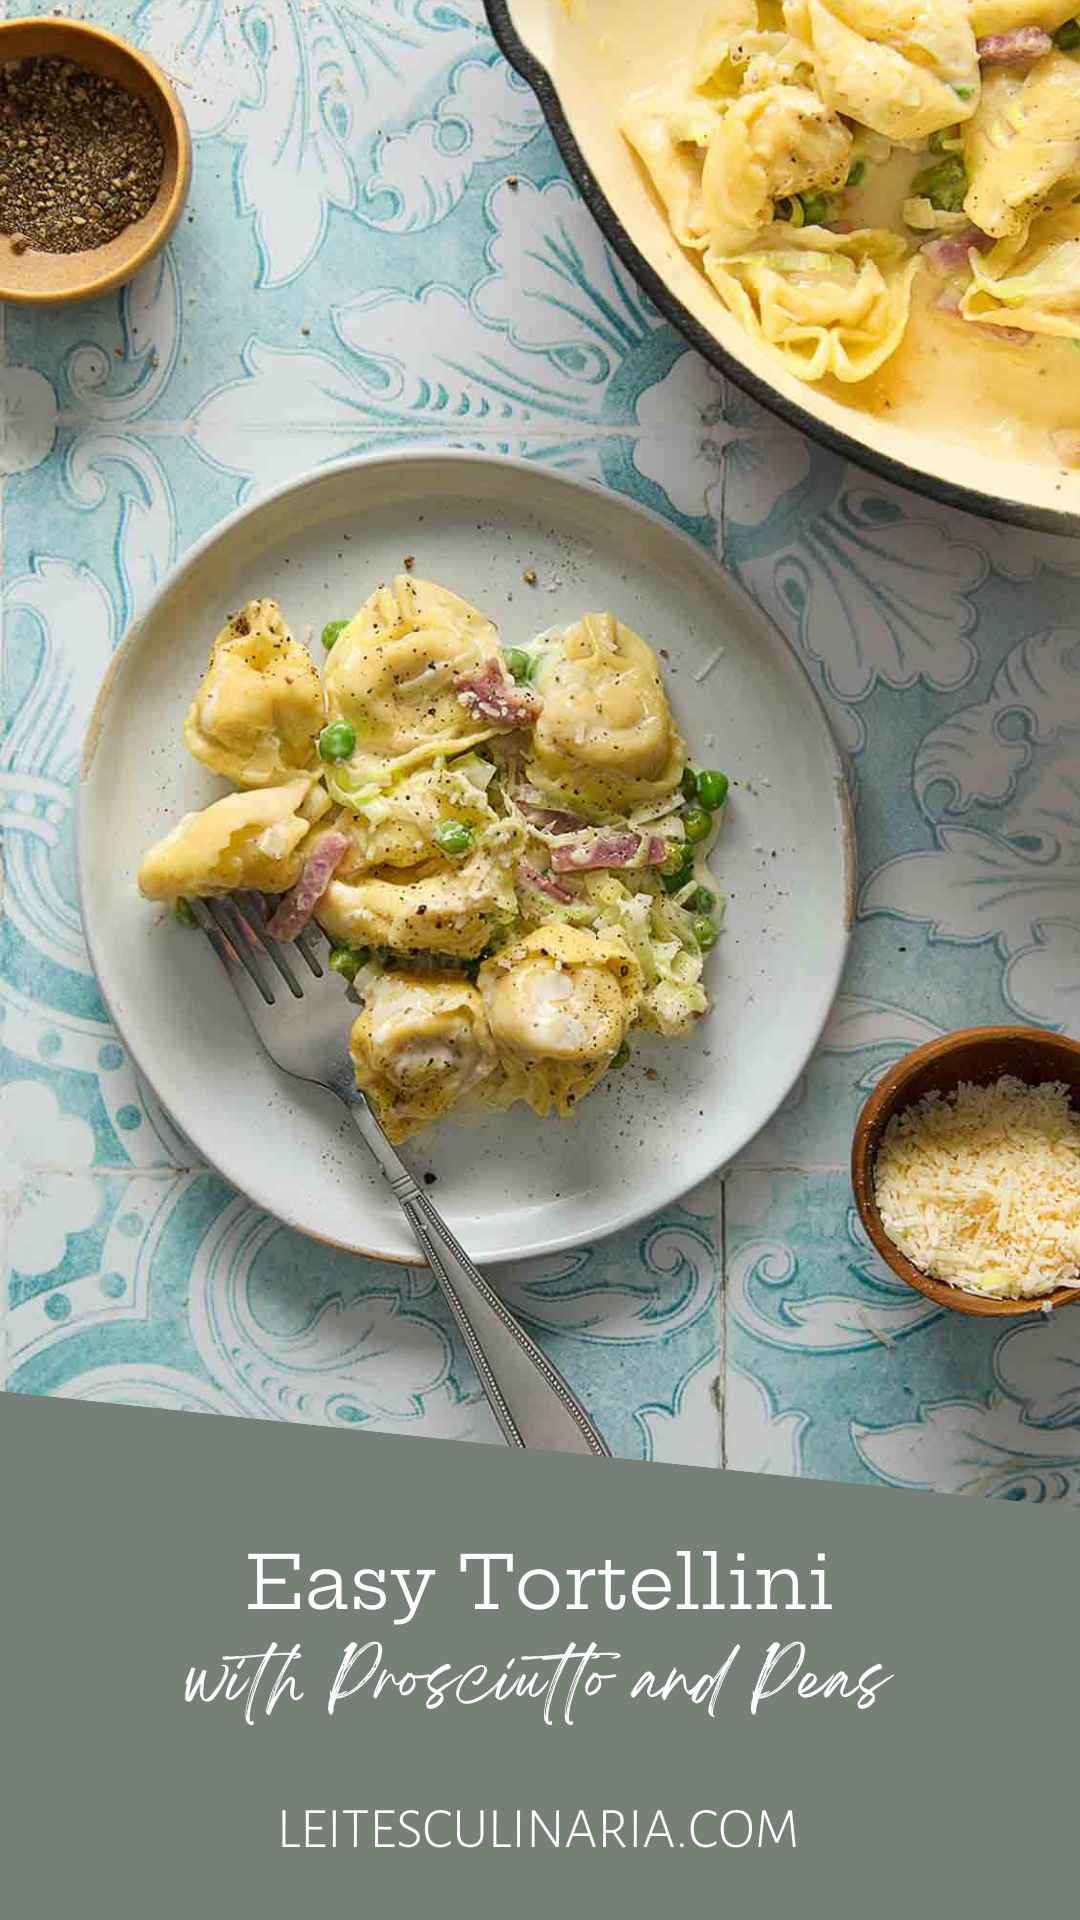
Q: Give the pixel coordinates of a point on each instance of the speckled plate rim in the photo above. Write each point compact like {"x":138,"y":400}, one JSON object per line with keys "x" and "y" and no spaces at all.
{"x":679,"y":1181}
{"x":862,"y":453}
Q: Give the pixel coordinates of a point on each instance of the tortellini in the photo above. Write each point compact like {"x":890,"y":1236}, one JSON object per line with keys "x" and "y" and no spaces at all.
{"x":506,"y":909}
{"x":259,"y":706}
{"x":420,"y":1046}
{"x":769,"y":145}
{"x":1001,"y":16}
{"x":719,"y":169}
{"x":905,"y":68}
{"x":559,"y":1005}
{"x":605,"y":739}
{"x":396,"y":826}
{"x":740,"y":48}
{"x":671,"y":138}
{"x":439,"y":907}
{"x":246,"y":840}
{"x":827,"y":303}
{"x":1022,"y":150}
{"x":393,"y":676}
{"x":1033,"y":282}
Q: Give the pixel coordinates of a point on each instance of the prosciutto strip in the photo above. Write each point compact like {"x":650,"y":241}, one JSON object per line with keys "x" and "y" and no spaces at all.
{"x":612,"y":849}
{"x":488,"y":693}
{"x":950,"y":252}
{"x":1010,"y":49}
{"x":1012,"y":336}
{"x":544,"y":883}
{"x":553,"y":821}
{"x":295,"y":908}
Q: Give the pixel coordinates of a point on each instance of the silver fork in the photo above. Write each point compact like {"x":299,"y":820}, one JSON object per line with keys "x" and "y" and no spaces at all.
{"x":295,"y":1004}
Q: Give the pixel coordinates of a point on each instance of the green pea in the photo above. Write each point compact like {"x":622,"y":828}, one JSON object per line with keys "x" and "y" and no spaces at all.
{"x":856,"y":172}
{"x":944,"y":185}
{"x":621,"y":1058}
{"x":704,"y":934}
{"x":817,"y":208}
{"x":689,"y":784}
{"x":697,"y":824}
{"x":674,"y":882}
{"x":454,"y":837}
{"x":517,"y":664}
{"x":183,"y":911}
{"x":347,"y":961}
{"x":1067,"y":37}
{"x":337,"y":741}
{"x":701,"y":901}
{"x":676,"y":858}
{"x":712,"y":789}
{"x":332,"y":631}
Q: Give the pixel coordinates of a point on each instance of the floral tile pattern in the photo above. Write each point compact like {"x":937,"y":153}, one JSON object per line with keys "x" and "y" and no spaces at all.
{"x":382,"y":248}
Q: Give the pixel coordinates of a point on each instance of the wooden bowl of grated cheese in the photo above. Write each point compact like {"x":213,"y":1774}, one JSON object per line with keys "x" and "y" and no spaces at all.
{"x":966,"y":1170}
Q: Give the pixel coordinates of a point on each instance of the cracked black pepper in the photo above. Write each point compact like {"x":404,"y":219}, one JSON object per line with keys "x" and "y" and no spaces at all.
{"x":80,"y":157}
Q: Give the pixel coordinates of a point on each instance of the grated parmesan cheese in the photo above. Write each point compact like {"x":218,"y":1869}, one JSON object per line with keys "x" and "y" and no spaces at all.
{"x":981,"y":1187}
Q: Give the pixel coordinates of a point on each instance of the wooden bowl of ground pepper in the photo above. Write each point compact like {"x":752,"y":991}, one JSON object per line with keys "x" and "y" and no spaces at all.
{"x":95,"y":161}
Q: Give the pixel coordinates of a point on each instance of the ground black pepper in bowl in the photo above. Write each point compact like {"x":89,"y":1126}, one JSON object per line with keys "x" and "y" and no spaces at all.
{"x":80,"y":157}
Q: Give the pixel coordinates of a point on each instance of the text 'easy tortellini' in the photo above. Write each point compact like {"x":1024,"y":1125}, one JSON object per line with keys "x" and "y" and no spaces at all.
{"x":827,"y":303}
{"x":393,"y":676}
{"x":246,"y":840}
{"x":419,"y":1047}
{"x":1022,"y":150}
{"x":259,"y":706}
{"x":559,"y":1004}
{"x":437,"y":908}
{"x":904,"y":68}
{"x":1031,"y":282}
{"x":605,"y":738}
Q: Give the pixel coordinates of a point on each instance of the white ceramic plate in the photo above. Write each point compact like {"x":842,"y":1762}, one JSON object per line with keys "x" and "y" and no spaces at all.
{"x":510,"y":1184}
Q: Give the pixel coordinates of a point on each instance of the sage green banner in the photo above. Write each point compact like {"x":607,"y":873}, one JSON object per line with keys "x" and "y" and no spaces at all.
{"x":259,"y":1670}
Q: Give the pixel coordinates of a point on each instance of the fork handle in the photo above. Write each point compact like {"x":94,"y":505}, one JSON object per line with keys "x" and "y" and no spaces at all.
{"x":528,"y":1396}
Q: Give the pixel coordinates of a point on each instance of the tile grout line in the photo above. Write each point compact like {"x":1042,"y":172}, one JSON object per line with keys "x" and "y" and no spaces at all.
{"x":185,"y":426}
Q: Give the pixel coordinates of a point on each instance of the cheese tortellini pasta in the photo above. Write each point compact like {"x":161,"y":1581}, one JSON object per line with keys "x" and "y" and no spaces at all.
{"x":420,"y":1046}
{"x":1022,"y":149}
{"x":1031,"y":281}
{"x":259,"y":706}
{"x":770,"y":144}
{"x":559,"y":1005}
{"x":246,"y":840}
{"x":505,"y":848}
{"x":393,"y":676}
{"x":605,"y":739}
{"x":827,"y":303}
{"x":395,"y":825}
{"x":440,"y":907}
{"x":1004,"y":16}
{"x":904,"y":68}
{"x":819,"y":154}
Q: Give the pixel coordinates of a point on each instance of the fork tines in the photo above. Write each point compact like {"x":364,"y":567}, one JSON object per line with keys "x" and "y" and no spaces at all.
{"x":235,"y":925}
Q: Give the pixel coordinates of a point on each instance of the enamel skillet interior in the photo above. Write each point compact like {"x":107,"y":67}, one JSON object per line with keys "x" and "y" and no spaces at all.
{"x":542,"y":39}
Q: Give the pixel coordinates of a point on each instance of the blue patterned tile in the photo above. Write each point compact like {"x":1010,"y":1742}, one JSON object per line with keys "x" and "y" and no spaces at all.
{"x":838,"y":1370}
{"x":410,"y":265}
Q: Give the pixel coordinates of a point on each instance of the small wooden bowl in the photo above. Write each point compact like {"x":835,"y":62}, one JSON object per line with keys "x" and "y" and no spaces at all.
{"x":55,"y":279}
{"x":980,"y":1055}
